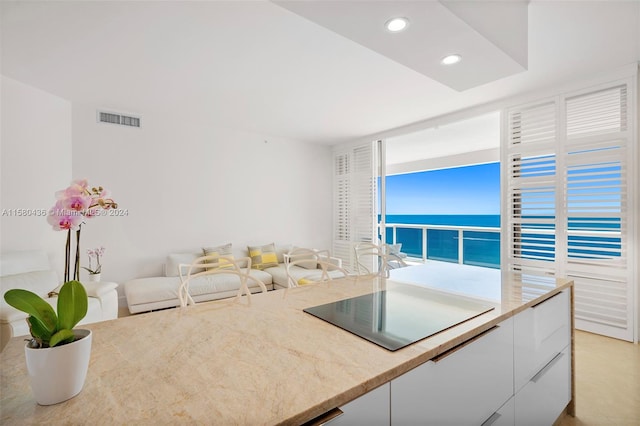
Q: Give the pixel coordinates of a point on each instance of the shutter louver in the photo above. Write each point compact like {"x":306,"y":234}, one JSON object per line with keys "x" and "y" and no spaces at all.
{"x":596,"y":113}
{"x":364,"y":190}
{"x":341,"y":194}
{"x":595,"y":188}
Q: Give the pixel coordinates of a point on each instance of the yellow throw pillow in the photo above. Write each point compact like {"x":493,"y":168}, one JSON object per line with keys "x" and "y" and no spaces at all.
{"x":305,"y":281}
{"x":263,"y":256}
{"x":215,"y":253}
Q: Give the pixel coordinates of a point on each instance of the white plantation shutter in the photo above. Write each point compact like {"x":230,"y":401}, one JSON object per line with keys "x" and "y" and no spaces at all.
{"x":567,"y":163}
{"x":597,"y":151}
{"x":354,"y":201}
{"x":342,"y":208}
{"x":531,"y":186}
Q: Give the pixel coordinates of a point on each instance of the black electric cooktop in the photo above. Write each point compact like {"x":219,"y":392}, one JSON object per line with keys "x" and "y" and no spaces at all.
{"x":395,"y":318}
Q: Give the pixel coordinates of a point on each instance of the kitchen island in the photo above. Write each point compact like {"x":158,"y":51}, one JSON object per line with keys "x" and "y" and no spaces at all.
{"x":262,"y":360}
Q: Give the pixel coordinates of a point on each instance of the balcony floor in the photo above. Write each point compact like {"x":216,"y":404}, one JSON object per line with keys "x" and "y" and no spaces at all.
{"x":477,"y":281}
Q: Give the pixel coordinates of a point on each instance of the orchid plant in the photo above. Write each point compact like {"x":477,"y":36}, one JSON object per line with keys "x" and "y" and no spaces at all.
{"x":95,"y":253}
{"x":74,"y":205}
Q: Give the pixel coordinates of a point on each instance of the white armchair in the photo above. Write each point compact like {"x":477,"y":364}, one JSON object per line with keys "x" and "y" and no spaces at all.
{"x":30,"y":270}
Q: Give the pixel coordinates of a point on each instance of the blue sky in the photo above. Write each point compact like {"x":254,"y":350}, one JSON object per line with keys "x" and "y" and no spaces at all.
{"x":461,"y":190}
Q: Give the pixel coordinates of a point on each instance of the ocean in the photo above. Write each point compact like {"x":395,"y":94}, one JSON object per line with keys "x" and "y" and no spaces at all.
{"x":479,"y":248}
{"x":602,"y":241}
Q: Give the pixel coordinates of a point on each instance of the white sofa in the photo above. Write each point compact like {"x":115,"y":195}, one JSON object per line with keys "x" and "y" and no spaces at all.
{"x":153,"y":293}
{"x":30,"y":270}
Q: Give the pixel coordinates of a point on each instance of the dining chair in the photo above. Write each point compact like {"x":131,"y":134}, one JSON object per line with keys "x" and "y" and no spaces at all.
{"x":318,"y":263}
{"x":376,"y":259}
{"x":216,"y":265}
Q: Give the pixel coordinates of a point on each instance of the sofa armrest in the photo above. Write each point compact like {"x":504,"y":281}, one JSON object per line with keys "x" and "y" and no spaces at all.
{"x":94,"y":289}
{"x":99,"y":289}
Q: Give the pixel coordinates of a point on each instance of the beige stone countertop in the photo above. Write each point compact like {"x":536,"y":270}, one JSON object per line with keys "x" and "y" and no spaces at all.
{"x":247,"y":362}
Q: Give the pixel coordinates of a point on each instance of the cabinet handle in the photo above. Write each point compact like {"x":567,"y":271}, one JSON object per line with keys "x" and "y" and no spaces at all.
{"x":491,"y":420}
{"x":546,"y":368}
{"x":325,"y":418}
{"x":456,"y":348}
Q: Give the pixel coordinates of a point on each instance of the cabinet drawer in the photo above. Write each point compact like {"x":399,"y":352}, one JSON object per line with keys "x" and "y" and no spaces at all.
{"x":540,"y":333}
{"x":465,"y":386}
{"x":505,"y":416}
{"x":543,"y":398}
{"x":371,"y":408}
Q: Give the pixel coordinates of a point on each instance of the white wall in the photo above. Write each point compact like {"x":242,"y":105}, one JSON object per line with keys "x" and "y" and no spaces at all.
{"x":36,"y":161}
{"x":187,"y":185}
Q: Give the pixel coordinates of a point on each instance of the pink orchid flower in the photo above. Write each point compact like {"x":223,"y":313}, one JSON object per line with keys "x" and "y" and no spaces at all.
{"x":82,"y":183}
{"x":76,"y":189}
{"x":62,"y":219}
{"x":78,"y":203}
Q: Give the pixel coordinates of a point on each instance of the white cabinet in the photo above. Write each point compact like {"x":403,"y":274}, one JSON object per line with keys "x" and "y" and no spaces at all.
{"x":540,"y":333}
{"x":542,"y":361}
{"x":372,"y":409}
{"x":543,"y":398}
{"x":463,"y":386}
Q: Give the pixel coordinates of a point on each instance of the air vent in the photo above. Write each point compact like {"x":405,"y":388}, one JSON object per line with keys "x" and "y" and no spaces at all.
{"x":121,"y":119}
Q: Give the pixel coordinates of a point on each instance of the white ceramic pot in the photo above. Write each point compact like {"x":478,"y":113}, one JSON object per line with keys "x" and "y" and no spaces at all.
{"x":94,"y":277}
{"x":58,"y":373}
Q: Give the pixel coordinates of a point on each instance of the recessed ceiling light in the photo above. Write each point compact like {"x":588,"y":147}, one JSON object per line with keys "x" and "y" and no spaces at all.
{"x":451,"y":59}
{"x":397,"y":24}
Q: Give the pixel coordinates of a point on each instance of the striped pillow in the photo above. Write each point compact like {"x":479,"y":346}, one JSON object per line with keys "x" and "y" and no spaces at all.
{"x":263,"y":256}
{"x":216,"y":252}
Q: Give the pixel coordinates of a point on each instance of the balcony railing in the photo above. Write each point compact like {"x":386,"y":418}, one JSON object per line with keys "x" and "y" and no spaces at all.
{"x":469,"y":245}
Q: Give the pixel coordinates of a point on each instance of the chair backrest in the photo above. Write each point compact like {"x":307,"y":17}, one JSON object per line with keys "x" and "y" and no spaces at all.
{"x":318,"y":262}
{"x":376,"y":260}
{"x":216,"y":265}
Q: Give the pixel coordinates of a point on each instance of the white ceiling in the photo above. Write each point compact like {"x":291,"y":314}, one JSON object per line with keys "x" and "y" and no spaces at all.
{"x":473,"y":134}
{"x":257,"y":66}
{"x":474,"y":30}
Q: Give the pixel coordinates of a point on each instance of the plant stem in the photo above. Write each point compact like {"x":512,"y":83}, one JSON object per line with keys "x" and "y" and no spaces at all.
{"x":67,"y":256}
{"x":76,"y":268}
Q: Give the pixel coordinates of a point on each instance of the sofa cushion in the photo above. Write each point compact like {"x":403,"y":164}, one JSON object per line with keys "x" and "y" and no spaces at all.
{"x":216,"y":252}
{"x":263,"y":256}
{"x":174,"y":260}
{"x":39,"y":282}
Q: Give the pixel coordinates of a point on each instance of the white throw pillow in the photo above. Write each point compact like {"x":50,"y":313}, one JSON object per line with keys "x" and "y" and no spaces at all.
{"x":175,"y":259}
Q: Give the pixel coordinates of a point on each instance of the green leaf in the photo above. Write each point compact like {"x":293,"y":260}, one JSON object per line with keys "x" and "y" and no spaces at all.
{"x":72,"y":305}
{"x":38,"y":330}
{"x":35,"y":306}
{"x":62,"y":336}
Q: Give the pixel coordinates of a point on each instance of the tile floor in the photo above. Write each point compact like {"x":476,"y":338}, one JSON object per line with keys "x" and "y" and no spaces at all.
{"x":607,"y":382}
